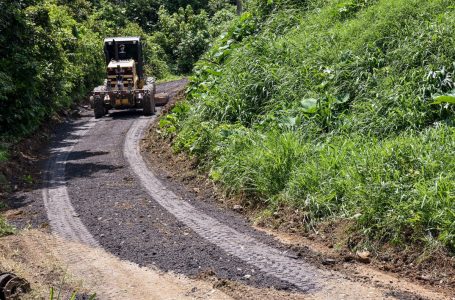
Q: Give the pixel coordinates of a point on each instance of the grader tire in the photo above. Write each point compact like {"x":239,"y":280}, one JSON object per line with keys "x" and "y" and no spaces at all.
{"x":148,"y":105}
{"x":12,"y":287}
{"x":98,"y":108}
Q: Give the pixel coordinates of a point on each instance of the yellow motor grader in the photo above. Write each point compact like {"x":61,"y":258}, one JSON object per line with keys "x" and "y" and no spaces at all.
{"x":125,"y":86}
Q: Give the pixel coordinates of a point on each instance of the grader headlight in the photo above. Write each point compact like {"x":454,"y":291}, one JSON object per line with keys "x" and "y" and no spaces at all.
{"x":107,"y":99}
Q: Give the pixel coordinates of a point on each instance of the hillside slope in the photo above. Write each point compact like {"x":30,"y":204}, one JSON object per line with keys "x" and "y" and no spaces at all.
{"x":327,"y":108}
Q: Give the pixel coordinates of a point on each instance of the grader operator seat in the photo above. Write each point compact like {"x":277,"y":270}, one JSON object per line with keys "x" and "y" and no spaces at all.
{"x":125,"y":48}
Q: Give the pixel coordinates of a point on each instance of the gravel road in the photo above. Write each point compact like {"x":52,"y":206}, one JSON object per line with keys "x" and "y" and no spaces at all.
{"x":99,"y":191}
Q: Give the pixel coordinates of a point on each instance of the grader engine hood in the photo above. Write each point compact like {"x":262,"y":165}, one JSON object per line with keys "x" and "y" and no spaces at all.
{"x":121,"y":75}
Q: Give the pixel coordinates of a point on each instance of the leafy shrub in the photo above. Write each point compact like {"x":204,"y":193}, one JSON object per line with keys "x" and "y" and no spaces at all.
{"x":184,"y":36}
{"x":52,"y":61}
{"x":343,"y":111}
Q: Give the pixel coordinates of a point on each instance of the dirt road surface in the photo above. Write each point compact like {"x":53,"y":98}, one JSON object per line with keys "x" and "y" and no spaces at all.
{"x":118,"y":225}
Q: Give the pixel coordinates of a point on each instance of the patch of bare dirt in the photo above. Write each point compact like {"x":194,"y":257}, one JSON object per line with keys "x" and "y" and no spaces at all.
{"x":46,"y":261}
{"x":336,"y":240}
{"x":21,"y":170}
{"x":366,"y":272}
{"x":27,"y":256}
{"x":331,"y":245}
{"x":240,"y":291}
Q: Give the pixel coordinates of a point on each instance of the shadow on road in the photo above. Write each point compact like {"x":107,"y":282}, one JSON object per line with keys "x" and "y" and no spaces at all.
{"x":84,"y":170}
{"x":123,"y":115}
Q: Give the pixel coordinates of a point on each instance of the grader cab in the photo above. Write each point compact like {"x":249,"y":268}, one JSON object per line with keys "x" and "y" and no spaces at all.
{"x":125,"y":86}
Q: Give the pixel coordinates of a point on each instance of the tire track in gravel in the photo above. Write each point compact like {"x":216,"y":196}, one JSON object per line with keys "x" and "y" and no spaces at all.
{"x":308,"y":278}
{"x":109,"y":276}
{"x":63,"y":219}
{"x":268,"y":259}
{"x":62,"y":216}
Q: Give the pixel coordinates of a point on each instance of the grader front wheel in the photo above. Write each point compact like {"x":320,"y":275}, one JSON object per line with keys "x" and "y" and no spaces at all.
{"x":148,"y":105}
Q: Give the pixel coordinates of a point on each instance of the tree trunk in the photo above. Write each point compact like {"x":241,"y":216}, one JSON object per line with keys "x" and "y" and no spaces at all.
{"x":239,"y":7}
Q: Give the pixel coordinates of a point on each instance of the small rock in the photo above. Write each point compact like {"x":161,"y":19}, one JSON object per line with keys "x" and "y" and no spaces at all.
{"x":424,"y":277}
{"x":247,"y":276}
{"x":363,"y":256}
{"x":328,"y":261}
{"x":75,"y":113}
{"x":291,"y":255}
{"x":237,"y":207}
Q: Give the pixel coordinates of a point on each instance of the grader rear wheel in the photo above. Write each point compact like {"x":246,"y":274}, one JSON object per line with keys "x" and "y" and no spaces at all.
{"x":98,"y":108}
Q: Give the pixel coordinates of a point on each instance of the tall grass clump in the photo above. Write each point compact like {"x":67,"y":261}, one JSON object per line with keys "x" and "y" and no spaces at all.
{"x":339,"y":108}
{"x":3,"y":153}
{"x":5,"y":228}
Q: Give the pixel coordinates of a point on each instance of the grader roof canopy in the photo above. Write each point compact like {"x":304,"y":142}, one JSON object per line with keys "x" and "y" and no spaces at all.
{"x":124,"y":48}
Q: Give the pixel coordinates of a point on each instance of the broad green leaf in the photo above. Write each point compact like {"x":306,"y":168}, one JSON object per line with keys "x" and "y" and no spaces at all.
{"x":444,"y":99}
{"x":309,"y":105}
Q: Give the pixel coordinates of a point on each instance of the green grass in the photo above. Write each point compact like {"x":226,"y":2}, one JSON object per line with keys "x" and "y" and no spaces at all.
{"x":3,"y":154}
{"x":170,"y":77}
{"x":5,"y":228}
{"x":330,"y":109}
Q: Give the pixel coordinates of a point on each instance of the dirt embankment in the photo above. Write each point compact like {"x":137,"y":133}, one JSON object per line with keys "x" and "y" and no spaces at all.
{"x":330,"y":245}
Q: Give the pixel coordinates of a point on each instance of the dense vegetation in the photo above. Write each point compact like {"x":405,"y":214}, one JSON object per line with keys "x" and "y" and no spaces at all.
{"x":51,"y":52}
{"x":328,"y":106}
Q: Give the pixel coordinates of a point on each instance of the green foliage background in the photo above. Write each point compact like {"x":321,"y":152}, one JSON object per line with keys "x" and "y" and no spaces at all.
{"x":328,"y":106}
{"x":51,"y":51}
